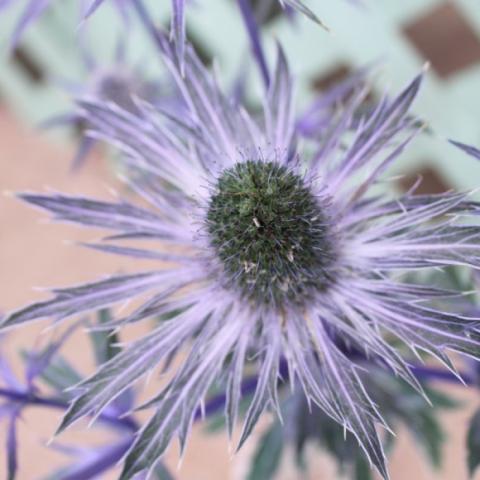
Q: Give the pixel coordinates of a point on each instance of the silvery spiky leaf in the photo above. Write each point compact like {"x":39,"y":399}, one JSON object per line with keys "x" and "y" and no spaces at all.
{"x":273,"y":250}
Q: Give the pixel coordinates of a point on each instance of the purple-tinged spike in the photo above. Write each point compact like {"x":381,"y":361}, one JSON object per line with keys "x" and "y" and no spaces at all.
{"x":265,"y":388}
{"x":468,"y":149}
{"x":84,"y":149}
{"x":88,"y":297}
{"x":278,"y":108}
{"x":93,"y":7}
{"x":302,"y":8}
{"x":254,"y":37}
{"x":31,"y":12}
{"x":178,"y":29}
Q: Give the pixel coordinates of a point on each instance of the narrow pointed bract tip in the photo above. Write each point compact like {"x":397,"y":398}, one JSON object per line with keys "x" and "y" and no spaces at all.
{"x":470,"y":150}
{"x":50,"y":441}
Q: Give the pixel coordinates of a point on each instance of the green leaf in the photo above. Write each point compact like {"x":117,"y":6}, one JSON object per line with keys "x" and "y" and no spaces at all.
{"x":160,"y":472}
{"x":104,"y":342}
{"x":217,"y":423}
{"x":428,"y":432}
{"x":442,"y":400}
{"x":362,"y":470}
{"x":60,"y":374}
{"x":268,"y":454}
{"x":402,"y":403}
{"x":473,"y":443}
{"x":172,"y":314}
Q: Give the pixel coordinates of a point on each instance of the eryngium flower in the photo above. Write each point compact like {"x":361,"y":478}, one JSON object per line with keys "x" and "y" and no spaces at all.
{"x":275,"y":250}
{"x":117,"y":83}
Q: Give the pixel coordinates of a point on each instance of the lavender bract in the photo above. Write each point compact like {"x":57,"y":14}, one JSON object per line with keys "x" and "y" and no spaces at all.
{"x":275,"y":250}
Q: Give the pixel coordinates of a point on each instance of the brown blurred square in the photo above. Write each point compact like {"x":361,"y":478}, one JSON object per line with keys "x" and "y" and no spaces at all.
{"x":332,"y":77}
{"x":445,"y":38}
{"x":28,"y":64}
{"x":432,"y":182}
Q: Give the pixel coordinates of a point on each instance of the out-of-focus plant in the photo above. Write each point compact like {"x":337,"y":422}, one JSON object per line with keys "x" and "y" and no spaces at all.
{"x":304,"y":424}
{"x":47,"y":383}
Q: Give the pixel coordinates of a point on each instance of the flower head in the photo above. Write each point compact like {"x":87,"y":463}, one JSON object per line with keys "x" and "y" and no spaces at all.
{"x":118,"y":83}
{"x":275,"y":249}
{"x":270,"y":234}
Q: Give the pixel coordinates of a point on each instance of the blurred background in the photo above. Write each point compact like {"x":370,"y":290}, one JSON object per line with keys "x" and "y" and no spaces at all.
{"x":398,"y":37}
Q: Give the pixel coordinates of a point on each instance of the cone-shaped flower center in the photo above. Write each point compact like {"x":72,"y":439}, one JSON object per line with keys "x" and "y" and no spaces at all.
{"x":270,"y":233}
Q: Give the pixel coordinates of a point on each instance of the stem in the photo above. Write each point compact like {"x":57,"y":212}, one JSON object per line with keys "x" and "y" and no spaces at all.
{"x":32,"y":399}
{"x":435,"y":373}
{"x":217,"y":402}
{"x":254,"y":36}
{"x":104,"y":462}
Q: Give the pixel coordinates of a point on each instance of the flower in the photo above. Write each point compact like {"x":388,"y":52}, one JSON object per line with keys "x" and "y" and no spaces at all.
{"x":119,"y":83}
{"x":275,"y":249}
